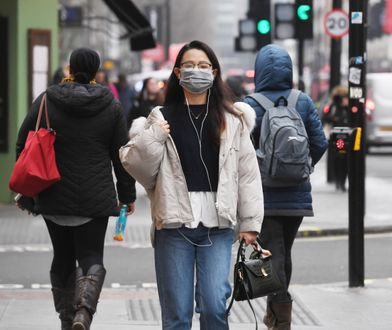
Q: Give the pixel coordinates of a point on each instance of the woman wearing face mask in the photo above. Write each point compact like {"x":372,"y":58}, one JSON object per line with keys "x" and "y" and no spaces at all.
{"x":195,"y":158}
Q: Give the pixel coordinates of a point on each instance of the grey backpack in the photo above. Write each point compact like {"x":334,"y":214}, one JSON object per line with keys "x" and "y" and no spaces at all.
{"x":283,"y":152}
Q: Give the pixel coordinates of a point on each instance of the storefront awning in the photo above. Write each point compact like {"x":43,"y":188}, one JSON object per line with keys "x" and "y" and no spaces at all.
{"x":138,"y":27}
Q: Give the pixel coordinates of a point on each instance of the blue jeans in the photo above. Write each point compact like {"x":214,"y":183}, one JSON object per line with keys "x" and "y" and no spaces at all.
{"x":175,"y":261}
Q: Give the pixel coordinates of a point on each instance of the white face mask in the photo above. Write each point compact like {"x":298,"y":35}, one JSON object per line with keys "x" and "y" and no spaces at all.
{"x":196,"y":81}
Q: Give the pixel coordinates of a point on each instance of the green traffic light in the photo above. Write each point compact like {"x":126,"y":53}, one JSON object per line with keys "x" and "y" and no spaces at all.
{"x":303,"y":12}
{"x":264,"y":26}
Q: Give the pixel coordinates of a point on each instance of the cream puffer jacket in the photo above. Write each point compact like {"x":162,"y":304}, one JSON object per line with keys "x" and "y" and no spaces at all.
{"x":152,"y":159}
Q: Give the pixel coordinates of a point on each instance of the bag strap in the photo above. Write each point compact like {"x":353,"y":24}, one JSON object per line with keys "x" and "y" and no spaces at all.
{"x":262,"y":100}
{"x":43,"y":107}
{"x":240,"y":254}
{"x":266,"y":103}
{"x":236,"y":287}
{"x":293,"y":98}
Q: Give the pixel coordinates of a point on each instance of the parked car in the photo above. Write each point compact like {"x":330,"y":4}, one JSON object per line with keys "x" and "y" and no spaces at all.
{"x":379,"y":109}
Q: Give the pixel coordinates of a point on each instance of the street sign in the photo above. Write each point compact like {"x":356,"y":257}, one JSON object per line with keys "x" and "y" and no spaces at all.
{"x":336,"y":23}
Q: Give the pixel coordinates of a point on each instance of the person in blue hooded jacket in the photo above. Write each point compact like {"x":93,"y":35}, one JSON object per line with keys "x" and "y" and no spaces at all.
{"x":284,"y":207}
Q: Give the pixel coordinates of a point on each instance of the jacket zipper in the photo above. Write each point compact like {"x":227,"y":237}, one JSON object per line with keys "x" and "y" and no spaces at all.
{"x":182,"y":172}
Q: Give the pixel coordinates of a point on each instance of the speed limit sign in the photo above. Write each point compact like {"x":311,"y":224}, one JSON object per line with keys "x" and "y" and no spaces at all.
{"x":336,"y":23}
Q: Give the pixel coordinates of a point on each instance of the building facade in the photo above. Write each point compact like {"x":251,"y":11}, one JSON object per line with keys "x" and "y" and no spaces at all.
{"x":28,"y":57}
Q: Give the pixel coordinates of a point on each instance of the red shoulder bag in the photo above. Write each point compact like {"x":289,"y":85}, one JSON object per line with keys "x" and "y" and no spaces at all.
{"x":36,"y":168}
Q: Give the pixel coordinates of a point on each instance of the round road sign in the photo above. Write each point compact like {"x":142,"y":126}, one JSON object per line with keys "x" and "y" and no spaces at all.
{"x":336,"y":23}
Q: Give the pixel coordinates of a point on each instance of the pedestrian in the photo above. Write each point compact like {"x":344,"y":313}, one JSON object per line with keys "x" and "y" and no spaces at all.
{"x":59,"y":75}
{"x":284,"y":207}
{"x":149,"y":97}
{"x":126,"y":94}
{"x":102,"y":78}
{"x":90,"y":128}
{"x":195,"y":158}
{"x":340,"y":117}
{"x":236,"y":85}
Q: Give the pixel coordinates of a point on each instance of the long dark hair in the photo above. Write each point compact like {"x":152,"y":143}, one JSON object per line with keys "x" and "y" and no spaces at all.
{"x":220,"y":96}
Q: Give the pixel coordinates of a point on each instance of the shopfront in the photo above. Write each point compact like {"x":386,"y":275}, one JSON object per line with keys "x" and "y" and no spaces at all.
{"x":28,"y":56}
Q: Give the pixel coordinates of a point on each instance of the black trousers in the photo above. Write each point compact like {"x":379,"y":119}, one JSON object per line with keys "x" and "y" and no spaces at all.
{"x":341,"y":170}
{"x":277,"y":235}
{"x":82,"y":244}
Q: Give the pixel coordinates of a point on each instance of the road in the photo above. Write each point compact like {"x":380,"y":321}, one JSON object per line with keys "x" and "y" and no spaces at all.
{"x":379,"y":162}
{"x":315,"y":260}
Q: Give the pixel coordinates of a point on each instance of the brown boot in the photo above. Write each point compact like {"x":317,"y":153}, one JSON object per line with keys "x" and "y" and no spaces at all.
{"x":87,"y":291}
{"x":269,"y":318}
{"x":63,"y":298}
{"x":282,"y":313}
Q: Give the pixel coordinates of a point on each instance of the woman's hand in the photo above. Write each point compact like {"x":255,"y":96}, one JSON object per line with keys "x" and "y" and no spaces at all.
{"x":131,"y":208}
{"x":165,"y":126}
{"x":250,"y":237}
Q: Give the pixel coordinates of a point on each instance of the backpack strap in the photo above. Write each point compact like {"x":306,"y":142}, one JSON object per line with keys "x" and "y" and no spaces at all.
{"x":262,"y":100}
{"x":293,"y":98}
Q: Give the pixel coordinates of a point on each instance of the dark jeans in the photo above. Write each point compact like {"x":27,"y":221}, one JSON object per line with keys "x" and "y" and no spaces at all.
{"x":83,"y":244}
{"x":277,"y":235}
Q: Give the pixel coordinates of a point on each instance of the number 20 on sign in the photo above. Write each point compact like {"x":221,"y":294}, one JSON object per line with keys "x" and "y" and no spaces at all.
{"x":336,"y":23}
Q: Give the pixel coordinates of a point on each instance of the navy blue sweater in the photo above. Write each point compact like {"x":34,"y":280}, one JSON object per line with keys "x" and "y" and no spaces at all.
{"x":187,"y":143}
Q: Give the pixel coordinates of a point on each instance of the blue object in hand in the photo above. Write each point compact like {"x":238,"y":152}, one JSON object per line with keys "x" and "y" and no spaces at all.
{"x":120,"y":224}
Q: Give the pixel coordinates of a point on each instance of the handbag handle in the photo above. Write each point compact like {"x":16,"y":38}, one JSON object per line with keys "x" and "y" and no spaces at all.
{"x":241,"y":254}
{"x":43,"y":107}
{"x":242,"y":250}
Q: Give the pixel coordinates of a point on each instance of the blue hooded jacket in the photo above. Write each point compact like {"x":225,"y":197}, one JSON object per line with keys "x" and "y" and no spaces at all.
{"x":274,"y":78}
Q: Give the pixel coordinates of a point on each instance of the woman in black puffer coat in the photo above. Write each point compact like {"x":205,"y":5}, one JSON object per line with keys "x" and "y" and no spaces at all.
{"x":90,"y":128}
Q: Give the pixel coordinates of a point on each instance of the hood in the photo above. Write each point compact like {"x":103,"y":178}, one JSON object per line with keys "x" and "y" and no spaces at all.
{"x":80,"y":100}
{"x":273,"y":69}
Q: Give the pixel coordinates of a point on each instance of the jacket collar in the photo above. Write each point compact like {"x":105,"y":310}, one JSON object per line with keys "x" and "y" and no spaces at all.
{"x":243,"y":111}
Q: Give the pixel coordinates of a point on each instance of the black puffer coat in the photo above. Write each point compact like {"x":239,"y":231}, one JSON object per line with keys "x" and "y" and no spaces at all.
{"x":90,"y":128}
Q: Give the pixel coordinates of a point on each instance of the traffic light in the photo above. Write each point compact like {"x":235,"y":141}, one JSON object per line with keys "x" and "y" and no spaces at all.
{"x":341,"y":138}
{"x":260,"y":12}
{"x":284,"y":21}
{"x":304,"y":19}
{"x":246,"y":41}
{"x":376,"y":20}
{"x":255,"y":30}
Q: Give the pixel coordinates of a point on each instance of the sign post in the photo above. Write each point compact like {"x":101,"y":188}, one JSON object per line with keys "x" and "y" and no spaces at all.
{"x":336,"y":25}
{"x":356,"y":166}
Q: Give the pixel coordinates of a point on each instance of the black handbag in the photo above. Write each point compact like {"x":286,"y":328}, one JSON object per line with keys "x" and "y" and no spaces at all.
{"x":253,"y":278}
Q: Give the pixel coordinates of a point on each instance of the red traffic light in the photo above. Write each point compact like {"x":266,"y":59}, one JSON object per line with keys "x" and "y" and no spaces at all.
{"x":340,"y":144}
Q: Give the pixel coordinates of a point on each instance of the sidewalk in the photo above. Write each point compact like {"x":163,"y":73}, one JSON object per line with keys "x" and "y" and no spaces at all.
{"x":331,"y":207}
{"x":330,"y":306}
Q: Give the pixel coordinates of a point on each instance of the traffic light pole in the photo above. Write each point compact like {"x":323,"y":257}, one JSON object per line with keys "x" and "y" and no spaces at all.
{"x":300,"y":55}
{"x":303,"y":31}
{"x":168,"y":30}
{"x":357,"y":90}
{"x":336,"y":51}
